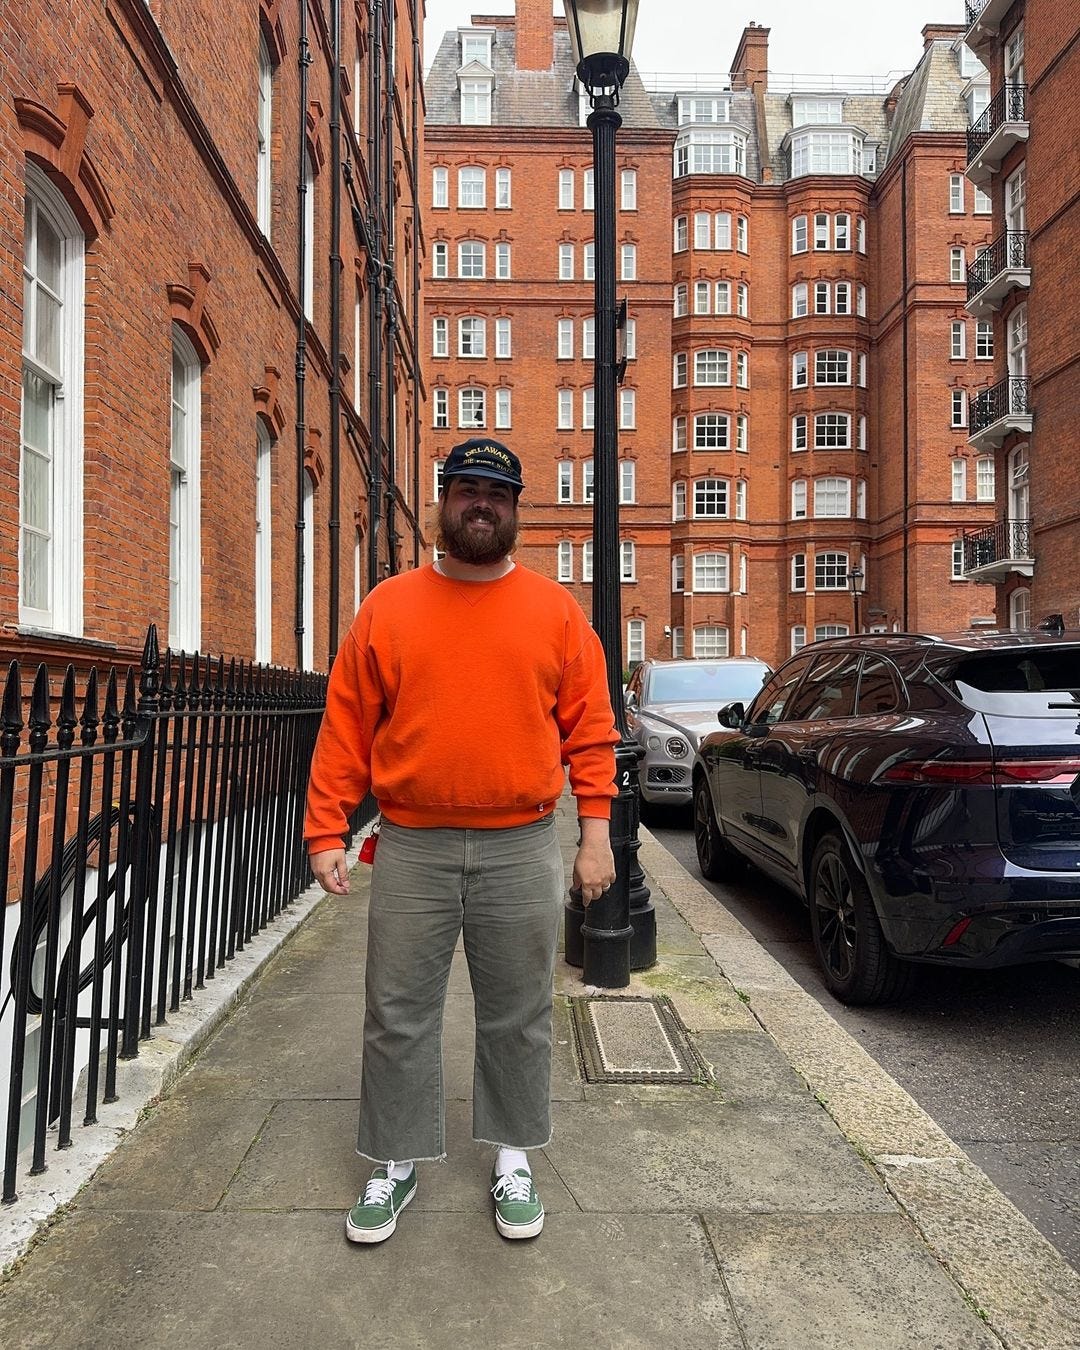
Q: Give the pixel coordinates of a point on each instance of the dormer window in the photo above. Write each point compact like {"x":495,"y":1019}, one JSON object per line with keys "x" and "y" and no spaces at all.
{"x":476,"y":46}
{"x":818,"y":112}
{"x":826,"y":152}
{"x":710,"y":152}
{"x":697,"y":110}
{"x":475,"y":101}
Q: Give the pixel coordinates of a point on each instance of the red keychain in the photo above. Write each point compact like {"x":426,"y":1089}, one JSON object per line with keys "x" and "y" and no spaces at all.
{"x":367,"y":848}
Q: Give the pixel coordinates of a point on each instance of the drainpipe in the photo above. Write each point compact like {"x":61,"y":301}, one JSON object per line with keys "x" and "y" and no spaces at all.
{"x":904,"y":380}
{"x":303,"y":61}
{"x":375,"y":488}
{"x":390,"y":494}
{"x":416,"y":76}
{"x":336,"y":267}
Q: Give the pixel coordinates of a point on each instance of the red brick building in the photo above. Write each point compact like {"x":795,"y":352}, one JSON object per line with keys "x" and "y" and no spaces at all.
{"x":172,"y":444}
{"x":1022,"y":153}
{"x":800,"y":440}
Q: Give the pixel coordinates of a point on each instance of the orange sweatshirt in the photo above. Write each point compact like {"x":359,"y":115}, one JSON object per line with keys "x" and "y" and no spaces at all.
{"x":457,"y":703}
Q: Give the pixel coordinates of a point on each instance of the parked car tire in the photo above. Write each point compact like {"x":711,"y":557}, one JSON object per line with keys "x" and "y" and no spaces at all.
{"x":714,"y":857}
{"x":850,"y":946}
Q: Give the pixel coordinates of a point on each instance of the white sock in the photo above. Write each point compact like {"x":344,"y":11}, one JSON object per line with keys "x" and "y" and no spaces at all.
{"x":398,"y":1171}
{"x":511,"y":1160}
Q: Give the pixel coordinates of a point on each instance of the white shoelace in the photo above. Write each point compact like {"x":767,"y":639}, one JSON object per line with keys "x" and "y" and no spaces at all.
{"x":512,"y":1187}
{"x":380,"y":1189}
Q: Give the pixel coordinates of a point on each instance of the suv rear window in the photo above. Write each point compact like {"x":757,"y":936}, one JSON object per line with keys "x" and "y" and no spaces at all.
{"x":1035,"y":670}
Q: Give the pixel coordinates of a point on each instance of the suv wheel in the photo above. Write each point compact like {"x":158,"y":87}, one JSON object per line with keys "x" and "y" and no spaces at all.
{"x":858,"y":966}
{"x":713,"y":857}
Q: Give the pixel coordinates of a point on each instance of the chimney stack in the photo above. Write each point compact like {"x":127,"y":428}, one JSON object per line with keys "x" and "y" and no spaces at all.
{"x":534,"y":26}
{"x":751,"y":65}
{"x":936,"y":32}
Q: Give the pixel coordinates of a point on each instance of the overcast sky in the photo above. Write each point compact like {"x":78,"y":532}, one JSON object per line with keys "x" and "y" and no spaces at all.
{"x":843,"y":37}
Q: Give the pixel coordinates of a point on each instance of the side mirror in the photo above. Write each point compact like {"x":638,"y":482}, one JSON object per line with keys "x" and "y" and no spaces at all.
{"x":731,"y":716}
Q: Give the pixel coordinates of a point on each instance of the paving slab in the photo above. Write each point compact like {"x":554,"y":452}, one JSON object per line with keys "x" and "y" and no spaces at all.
{"x":281,"y":1281}
{"x":298,"y":1045}
{"x":325,"y":1172}
{"x":747,"y":1066}
{"x":166,"y":1164}
{"x":833,"y":1283}
{"x":709,"y":1155}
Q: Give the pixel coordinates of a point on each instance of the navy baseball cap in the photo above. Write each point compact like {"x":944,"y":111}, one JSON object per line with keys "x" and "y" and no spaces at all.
{"x":484,"y":458}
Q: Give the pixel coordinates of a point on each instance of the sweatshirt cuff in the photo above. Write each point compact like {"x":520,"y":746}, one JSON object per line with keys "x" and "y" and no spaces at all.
{"x":323,"y":843}
{"x":596,"y":808}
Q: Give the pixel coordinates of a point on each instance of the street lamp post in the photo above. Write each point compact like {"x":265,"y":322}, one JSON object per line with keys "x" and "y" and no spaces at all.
{"x":615,"y":935}
{"x":855,"y":577}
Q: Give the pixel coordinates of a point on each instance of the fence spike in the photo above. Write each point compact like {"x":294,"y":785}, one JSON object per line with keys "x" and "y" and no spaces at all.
{"x":131,"y":707}
{"x":66,"y":717}
{"x":151,"y":664}
{"x":11,"y":723}
{"x":110,"y":721}
{"x":40,"y":721}
{"x":180,"y":692}
{"x":208,"y":684}
{"x":219,"y":685}
{"x":89,"y":719}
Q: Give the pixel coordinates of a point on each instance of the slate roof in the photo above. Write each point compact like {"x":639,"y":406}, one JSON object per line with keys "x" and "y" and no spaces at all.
{"x":931,"y":100}
{"x":743,"y":113}
{"x":525,"y":98}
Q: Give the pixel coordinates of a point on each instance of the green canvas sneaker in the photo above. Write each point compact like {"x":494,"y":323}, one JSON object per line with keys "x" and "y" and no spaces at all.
{"x":374,"y":1216}
{"x":518,"y":1211}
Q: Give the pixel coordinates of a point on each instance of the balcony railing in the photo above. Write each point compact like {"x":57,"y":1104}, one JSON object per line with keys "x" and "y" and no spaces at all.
{"x":1008,"y":252}
{"x":998,"y":547}
{"x":1009,"y":104}
{"x":974,"y":9}
{"x":1008,"y":398}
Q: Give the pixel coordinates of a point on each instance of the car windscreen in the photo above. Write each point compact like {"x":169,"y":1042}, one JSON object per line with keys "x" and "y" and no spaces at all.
{"x":698,"y":682}
{"x":1025,"y":681}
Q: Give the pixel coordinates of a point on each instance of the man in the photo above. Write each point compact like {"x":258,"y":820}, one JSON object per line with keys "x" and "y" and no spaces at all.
{"x":460,"y":691}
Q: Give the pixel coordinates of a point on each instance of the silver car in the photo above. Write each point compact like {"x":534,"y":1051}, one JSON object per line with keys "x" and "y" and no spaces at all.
{"x":670,"y":705}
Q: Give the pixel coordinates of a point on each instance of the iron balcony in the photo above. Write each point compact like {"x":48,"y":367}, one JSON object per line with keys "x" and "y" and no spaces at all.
{"x":995,"y":552}
{"x":1003,"y":125}
{"x":999,"y":411}
{"x":999,"y":268}
{"x":984,"y":24}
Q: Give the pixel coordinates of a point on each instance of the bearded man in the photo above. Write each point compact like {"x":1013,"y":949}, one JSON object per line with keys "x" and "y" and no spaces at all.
{"x":458,"y":695}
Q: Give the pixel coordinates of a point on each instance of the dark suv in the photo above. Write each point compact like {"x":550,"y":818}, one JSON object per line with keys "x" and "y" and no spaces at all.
{"x":921,"y":794}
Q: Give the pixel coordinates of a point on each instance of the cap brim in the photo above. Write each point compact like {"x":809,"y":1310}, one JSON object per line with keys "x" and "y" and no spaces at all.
{"x":471,"y":472}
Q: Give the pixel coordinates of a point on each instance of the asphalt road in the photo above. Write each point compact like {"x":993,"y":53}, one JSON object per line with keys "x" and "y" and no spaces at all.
{"x":993,"y":1056}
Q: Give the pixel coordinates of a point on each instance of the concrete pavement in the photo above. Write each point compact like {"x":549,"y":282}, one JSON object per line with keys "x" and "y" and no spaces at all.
{"x":800,"y":1200}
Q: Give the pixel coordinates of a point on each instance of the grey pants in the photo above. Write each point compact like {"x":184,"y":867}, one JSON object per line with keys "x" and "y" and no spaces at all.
{"x":503,"y":890}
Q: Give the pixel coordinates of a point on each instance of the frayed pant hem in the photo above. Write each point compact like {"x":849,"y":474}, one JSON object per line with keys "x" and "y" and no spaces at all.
{"x":441,"y":1157}
{"x":503,"y":1143}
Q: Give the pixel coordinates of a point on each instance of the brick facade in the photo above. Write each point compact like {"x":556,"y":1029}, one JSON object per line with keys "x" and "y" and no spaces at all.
{"x":146,"y":128}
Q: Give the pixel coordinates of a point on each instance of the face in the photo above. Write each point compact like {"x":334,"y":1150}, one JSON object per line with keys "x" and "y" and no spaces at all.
{"x":478,"y":520}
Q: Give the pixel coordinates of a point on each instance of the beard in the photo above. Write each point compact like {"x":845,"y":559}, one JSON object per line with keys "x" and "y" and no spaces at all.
{"x":455,"y":537}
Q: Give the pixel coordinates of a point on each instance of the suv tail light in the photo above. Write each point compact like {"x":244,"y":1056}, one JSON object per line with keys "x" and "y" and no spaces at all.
{"x":983,"y":772}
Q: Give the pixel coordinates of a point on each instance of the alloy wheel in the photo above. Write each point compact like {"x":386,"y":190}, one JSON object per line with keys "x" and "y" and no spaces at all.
{"x":836,"y":916}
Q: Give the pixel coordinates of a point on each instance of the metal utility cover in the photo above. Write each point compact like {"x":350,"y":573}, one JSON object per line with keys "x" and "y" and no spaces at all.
{"x":634,"y":1040}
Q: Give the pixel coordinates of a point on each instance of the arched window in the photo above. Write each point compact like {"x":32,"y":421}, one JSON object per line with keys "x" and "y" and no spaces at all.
{"x":1020,"y":609}
{"x":308,"y":654}
{"x":51,"y":446}
{"x":1018,"y":341}
{"x":263,"y":549}
{"x":265,"y":123}
{"x":185,"y":495}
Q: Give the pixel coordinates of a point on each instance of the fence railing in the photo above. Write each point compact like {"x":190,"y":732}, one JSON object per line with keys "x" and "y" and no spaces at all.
{"x":1009,"y":104}
{"x":150,"y":825}
{"x":1009,"y":250}
{"x":974,"y":8}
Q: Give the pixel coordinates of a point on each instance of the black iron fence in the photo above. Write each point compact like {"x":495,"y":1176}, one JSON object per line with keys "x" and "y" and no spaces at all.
{"x":1010,"y":397}
{"x":150,"y":825}
{"x":974,"y":9}
{"x":1006,"y":540}
{"x":1009,"y":250}
{"x":1009,"y":104}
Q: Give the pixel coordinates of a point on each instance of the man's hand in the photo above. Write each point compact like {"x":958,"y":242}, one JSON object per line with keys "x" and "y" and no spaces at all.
{"x":330,"y":871}
{"x":594,"y":866}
